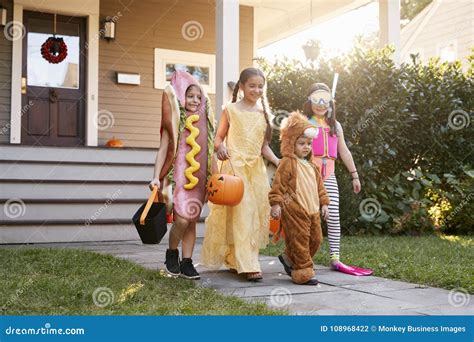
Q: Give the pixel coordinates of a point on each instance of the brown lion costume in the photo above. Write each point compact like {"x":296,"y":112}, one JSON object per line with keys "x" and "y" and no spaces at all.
{"x":291,"y":193}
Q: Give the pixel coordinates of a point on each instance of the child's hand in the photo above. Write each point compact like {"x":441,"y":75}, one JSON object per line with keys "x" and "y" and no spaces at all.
{"x":276,"y":211}
{"x":356,"y":185}
{"x":154,"y":182}
{"x":222,"y":153}
{"x":325,"y":212}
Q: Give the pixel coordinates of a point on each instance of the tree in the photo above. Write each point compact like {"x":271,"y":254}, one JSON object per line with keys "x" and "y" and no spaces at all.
{"x":409,"y":130}
{"x":410,"y":8}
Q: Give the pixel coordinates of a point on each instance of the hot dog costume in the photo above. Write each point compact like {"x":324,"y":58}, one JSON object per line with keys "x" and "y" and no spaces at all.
{"x":298,"y":189}
{"x":189,"y":155}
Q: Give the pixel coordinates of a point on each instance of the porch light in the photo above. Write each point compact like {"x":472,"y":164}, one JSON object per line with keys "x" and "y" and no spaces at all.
{"x":109,"y":30}
{"x":3,"y":16}
{"x":311,"y":50}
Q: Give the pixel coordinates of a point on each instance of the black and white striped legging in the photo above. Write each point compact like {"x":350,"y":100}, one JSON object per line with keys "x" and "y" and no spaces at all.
{"x":334,"y":226}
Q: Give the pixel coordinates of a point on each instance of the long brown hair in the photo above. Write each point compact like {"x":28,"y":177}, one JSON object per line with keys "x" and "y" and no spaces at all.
{"x":308,"y":110}
{"x":244,"y":76}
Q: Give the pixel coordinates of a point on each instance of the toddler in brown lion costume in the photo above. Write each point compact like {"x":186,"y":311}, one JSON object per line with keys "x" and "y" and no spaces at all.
{"x":296,"y":196}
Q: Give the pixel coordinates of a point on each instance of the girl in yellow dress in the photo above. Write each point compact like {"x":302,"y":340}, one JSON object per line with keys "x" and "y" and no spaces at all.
{"x":235,"y":234}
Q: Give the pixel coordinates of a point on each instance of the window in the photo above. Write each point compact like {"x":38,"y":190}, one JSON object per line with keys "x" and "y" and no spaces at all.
{"x":200,"y":65}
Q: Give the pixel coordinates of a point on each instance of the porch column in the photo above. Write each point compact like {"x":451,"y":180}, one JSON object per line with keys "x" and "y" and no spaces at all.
{"x":227,"y":48}
{"x":17,"y":71}
{"x":389,"y":23}
{"x":92,"y":132}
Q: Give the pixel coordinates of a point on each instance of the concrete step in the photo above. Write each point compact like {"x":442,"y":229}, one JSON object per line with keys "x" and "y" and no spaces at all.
{"x":97,"y":232}
{"x":79,"y":154}
{"x":70,"y":190}
{"x":76,"y":210}
{"x":38,"y":233}
{"x":75,"y":171}
{"x":19,"y":212}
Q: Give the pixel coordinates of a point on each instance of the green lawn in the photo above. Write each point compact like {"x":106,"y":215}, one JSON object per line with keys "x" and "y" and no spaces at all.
{"x":62,"y":282}
{"x":40,"y":281}
{"x":441,"y":261}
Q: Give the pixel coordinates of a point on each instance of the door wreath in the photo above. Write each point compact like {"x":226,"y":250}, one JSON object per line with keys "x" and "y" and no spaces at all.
{"x":54,"y":50}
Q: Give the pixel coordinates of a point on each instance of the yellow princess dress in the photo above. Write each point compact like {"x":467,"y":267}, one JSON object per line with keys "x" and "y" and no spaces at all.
{"x":235,"y":234}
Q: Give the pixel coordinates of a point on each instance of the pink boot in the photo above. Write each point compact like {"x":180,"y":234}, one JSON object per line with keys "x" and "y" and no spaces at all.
{"x":352,"y":270}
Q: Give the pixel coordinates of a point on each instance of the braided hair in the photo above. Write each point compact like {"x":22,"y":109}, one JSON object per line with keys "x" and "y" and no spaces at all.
{"x":244,"y":76}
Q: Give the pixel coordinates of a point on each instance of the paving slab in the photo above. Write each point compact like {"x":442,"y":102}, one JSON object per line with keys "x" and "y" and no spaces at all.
{"x":466,"y":309}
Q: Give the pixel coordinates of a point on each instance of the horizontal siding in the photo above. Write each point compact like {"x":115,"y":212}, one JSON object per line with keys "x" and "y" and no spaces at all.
{"x":117,"y":108}
{"x":135,"y":106}
{"x":5,"y":78}
{"x":147,"y":25}
{"x":453,"y":21}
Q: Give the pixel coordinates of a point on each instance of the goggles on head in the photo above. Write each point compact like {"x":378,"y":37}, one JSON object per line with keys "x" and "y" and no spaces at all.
{"x":321,"y":98}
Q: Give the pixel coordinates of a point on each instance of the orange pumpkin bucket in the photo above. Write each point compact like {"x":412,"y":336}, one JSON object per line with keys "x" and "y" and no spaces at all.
{"x":275,"y":229}
{"x":225,"y":189}
{"x":274,"y":225}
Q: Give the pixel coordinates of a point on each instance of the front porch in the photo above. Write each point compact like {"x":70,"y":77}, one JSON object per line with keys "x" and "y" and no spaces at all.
{"x":107,"y":107}
{"x":59,"y":186}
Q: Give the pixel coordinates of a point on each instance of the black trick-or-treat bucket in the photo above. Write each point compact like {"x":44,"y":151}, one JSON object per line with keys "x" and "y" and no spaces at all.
{"x":150,"y":220}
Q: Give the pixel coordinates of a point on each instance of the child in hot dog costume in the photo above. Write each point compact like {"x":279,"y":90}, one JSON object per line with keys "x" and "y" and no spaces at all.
{"x":184,"y":164}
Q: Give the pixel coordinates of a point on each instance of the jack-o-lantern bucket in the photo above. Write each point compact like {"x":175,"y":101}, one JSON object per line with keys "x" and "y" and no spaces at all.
{"x":275,"y":229}
{"x":274,"y":225}
{"x":225,"y":189}
{"x":114,"y":143}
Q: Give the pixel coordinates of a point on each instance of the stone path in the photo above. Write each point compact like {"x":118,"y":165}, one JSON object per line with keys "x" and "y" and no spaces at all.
{"x":337,"y":293}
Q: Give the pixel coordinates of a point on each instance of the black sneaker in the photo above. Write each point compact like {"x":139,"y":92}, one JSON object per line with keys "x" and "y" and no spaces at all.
{"x":172,"y":262}
{"x":287,"y":267}
{"x":187,"y":269}
{"x":312,"y":281}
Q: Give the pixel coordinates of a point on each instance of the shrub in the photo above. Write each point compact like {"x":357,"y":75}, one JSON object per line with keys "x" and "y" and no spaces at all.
{"x":408,"y":128}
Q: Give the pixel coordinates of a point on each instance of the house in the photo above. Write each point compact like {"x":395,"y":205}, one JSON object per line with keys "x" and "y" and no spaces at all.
{"x":444,"y":29}
{"x":58,"y":182}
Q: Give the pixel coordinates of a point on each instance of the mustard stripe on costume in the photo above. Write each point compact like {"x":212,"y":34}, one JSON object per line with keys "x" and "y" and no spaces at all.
{"x":191,"y":141}
{"x":185,"y":203}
